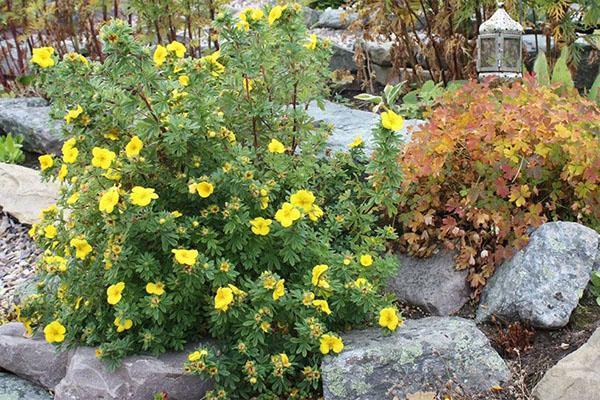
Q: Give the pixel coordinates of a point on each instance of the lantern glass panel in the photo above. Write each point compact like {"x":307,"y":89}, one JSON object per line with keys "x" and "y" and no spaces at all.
{"x":488,"y":53}
{"x":511,"y":54}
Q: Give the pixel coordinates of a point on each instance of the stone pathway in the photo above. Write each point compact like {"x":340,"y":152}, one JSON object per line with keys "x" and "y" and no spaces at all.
{"x":15,"y":388}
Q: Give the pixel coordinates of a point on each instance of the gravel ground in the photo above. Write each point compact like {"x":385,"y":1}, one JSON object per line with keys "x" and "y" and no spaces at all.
{"x":18,"y":254}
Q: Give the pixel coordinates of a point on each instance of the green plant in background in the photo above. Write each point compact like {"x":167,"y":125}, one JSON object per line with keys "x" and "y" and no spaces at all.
{"x":595,"y":286}
{"x":201,"y":205}
{"x":416,"y":102}
{"x":10,"y":149}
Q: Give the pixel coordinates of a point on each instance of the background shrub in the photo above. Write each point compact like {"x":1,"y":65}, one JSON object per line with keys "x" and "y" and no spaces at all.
{"x":493,"y":162}
{"x":201,"y":204}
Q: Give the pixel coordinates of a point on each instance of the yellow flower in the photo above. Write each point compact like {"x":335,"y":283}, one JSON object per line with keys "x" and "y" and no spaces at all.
{"x":275,"y":146}
{"x":123,"y":326}
{"x":50,"y":232}
{"x":388,"y":318}
{"x":254,"y":13}
{"x":141,"y":196}
{"x":70,"y":154}
{"x":62,"y":172}
{"x":177,"y":48}
{"x":73,"y":198}
{"x":312,"y":43}
{"x":287,"y":214}
{"x":82,"y":247}
{"x":279,"y":289}
{"x":247,"y":84}
{"x":315,"y":213}
{"x":366,"y":260}
{"x":356,"y":143}
{"x":157,"y":288}
{"x":185,"y":257}
{"x":317,"y":276}
{"x":43,"y":57}
{"x":134,"y":147}
{"x":160,"y":55}
{"x":55,"y":332}
{"x":109,"y":200}
{"x":73,"y":114}
{"x":331,"y":343}
{"x":275,"y":14}
{"x":204,"y":189}
{"x":102,"y":157}
{"x":184,"y":80}
{"x":307,"y":298}
{"x":303,"y":199}
{"x":392,"y":121}
{"x":197,"y":355}
{"x":114,"y":293}
{"x":285,"y":361}
{"x":322,"y":305}
{"x":46,"y":161}
{"x":260,"y":226}
{"x":223,"y":298}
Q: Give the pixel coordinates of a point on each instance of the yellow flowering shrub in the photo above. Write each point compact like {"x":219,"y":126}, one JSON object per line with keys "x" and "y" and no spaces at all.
{"x":205,"y":206}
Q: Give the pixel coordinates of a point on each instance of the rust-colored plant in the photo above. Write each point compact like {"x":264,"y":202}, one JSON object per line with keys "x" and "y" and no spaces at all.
{"x":491,"y":163}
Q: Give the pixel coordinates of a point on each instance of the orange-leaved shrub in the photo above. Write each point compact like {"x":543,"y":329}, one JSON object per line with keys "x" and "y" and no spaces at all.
{"x":493,"y":162}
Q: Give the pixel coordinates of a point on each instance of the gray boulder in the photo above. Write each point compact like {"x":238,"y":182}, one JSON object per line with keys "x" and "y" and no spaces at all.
{"x":311,"y":16}
{"x":336,"y":18}
{"x":33,"y":359}
{"x":342,"y":58}
{"x":30,"y":118}
{"x":431,"y":283}
{"x":576,"y":376}
{"x":348,"y":123}
{"x":420,"y":355}
{"x":138,"y":378}
{"x":15,"y":388}
{"x":542,"y":283}
{"x":379,"y":53}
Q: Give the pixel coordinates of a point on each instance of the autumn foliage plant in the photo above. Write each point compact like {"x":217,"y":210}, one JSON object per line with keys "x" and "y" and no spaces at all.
{"x":196,"y":201}
{"x":491,"y":163}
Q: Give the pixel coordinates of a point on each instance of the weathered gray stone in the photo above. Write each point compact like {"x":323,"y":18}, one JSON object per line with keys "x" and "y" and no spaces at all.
{"x":349,"y":123}
{"x":15,"y":388}
{"x":138,"y":378}
{"x":431,"y":283}
{"x":311,"y":16}
{"x":379,"y":53}
{"x":342,"y":58}
{"x":23,"y":193}
{"x":389,"y":76}
{"x":542,"y":283}
{"x":422,"y":355}
{"x":33,"y":359}
{"x":575,"y":377}
{"x":336,"y":18}
{"x":30,"y":118}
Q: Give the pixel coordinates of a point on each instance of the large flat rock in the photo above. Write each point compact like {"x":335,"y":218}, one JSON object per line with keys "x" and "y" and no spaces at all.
{"x":15,"y":388}
{"x":30,"y":118}
{"x":31,"y":358}
{"x":432,"y":283}
{"x":542,"y":284}
{"x":24,"y":194}
{"x":349,"y":123}
{"x":575,"y":377}
{"x":138,"y":378}
{"x":421,"y":355}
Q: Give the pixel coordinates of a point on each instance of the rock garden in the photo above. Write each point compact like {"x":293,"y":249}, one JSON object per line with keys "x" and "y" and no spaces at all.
{"x":273,"y":200}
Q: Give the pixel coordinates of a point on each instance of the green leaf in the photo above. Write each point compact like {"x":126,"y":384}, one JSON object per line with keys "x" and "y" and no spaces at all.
{"x":595,"y":90}
{"x":369,"y":98}
{"x":561,"y":74}
{"x":540,"y":68}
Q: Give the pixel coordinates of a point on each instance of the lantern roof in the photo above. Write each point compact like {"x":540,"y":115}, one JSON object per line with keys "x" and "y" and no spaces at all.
{"x":500,"y":22}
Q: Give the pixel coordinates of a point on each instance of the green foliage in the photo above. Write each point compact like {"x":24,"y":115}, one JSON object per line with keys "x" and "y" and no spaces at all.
{"x":540,"y":67}
{"x":201,"y":204}
{"x":10,"y":149}
{"x":561,"y":75}
{"x":492,"y":162}
{"x":418,"y":101}
{"x":323,"y":4}
{"x":595,"y":286}
{"x":595,"y":90}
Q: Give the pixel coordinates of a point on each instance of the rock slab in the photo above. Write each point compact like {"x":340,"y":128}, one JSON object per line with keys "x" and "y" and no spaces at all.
{"x":15,"y":388}
{"x":138,"y":378}
{"x":432,"y":283}
{"x":32,"y":359}
{"x":348,"y":123}
{"x":421,"y":355}
{"x":24,"y":195}
{"x":30,"y":118}
{"x":577,"y":376}
{"x":542,"y":284}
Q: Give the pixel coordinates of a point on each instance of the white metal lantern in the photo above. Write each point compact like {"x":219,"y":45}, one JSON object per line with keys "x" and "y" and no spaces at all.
{"x":499,"y":46}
